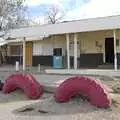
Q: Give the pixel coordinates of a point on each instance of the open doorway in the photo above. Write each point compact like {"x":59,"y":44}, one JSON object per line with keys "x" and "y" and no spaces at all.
{"x":109,"y":50}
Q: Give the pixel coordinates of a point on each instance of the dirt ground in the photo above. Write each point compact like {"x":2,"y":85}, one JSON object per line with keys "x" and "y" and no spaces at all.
{"x":16,"y":106}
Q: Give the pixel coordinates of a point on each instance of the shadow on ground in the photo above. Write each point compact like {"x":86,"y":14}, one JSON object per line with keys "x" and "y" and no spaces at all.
{"x":15,"y":96}
{"x":49,"y":107}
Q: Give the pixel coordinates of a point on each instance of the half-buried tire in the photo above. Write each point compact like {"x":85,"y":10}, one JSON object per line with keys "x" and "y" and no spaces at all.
{"x":96,"y":92}
{"x":27,"y":82}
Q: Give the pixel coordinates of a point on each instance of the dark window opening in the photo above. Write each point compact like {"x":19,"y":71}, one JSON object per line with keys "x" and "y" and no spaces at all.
{"x":57,"y":51}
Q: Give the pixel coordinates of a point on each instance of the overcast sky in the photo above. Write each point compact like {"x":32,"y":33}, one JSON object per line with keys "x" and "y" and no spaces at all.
{"x":75,"y":9}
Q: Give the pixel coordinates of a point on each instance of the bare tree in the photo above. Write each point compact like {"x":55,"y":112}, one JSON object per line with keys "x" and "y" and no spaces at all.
{"x":12,"y":14}
{"x":54,"y":14}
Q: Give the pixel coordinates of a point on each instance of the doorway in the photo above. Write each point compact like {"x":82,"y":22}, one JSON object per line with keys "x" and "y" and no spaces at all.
{"x":109,"y":50}
{"x":57,"y":58}
{"x":29,"y":49}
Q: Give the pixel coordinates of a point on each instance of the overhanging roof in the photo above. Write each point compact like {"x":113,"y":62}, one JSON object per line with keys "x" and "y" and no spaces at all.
{"x":3,"y":42}
{"x":85,"y":25}
{"x":10,"y":40}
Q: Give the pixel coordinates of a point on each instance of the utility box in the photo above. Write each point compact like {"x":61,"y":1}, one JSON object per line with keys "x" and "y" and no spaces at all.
{"x":57,"y":62}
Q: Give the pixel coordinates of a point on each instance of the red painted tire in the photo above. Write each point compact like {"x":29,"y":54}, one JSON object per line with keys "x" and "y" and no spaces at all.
{"x":96,"y":92}
{"x":27,"y":82}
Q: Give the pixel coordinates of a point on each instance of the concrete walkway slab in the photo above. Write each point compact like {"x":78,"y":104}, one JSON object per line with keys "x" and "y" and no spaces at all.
{"x":107,"y":72}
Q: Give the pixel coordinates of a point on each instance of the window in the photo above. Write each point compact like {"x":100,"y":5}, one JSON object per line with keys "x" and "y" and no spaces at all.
{"x":16,"y":49}
{"x":57,"y":51}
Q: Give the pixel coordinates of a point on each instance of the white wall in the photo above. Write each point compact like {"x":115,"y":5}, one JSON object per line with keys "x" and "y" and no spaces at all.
{"x":42,"y":49}
{"x":45,"y":47}
{"x":87,"y":43}
{"x":72,"y":45}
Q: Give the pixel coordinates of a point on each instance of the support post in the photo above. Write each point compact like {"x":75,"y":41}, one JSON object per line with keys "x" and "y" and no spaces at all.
{"x":75,"y":51}
{"x":115,"y":50}
{"x":24,"y":54}
{"x":68,"y":51}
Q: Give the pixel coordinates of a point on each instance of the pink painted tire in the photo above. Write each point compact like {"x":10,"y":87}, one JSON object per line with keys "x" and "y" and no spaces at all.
{"x":27,"y":82}
{"x":96,"y":92}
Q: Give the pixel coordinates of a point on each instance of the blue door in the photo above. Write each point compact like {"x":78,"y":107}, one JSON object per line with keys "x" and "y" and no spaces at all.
{"x":57,"y":62}
{"x":57,"y":58}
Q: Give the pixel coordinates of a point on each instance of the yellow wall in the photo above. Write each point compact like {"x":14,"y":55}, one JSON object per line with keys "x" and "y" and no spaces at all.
{"x":118,"y":38}
{"x":29,"y":51}
{"x":88,"y":41}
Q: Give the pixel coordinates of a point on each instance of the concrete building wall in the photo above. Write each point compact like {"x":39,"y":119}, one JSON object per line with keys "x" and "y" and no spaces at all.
{"x":91,"y":48}
{"x":43,"y":49}
{"x":88,"y":41}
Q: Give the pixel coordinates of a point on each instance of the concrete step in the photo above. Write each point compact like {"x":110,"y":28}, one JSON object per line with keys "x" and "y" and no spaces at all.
{"x":106,"y":66}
